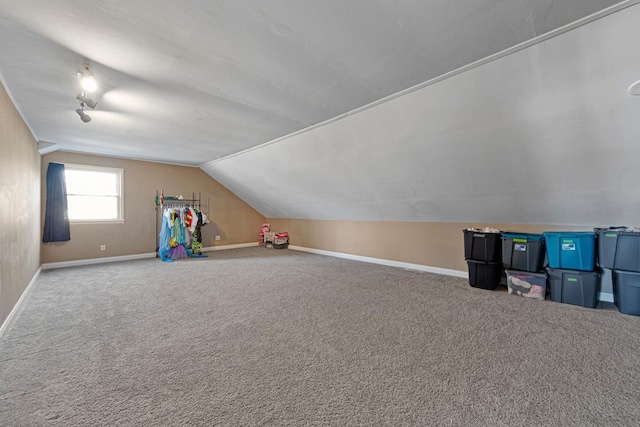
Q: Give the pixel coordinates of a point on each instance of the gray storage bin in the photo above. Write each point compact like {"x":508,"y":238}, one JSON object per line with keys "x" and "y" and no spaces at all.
{"x":626,"y":291}
{"x":522,"y":251}
{"x":618,"y":249}
{"x":574,"y":287}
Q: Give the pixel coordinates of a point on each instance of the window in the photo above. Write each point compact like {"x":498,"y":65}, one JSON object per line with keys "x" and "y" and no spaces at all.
{"x":94,"y":194}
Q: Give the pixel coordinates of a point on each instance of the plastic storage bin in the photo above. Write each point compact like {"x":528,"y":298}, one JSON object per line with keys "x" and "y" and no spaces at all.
{"x":526,"y":284}
{"x":479,"y":246}
{"x":607,"y":243}
{"x":626,"y":291}
{"x":574,"y":287}
{"x":484,"y":275}
{"x":618,"y":249}
{"x":521,"y":251}
{"x":571,"y":250}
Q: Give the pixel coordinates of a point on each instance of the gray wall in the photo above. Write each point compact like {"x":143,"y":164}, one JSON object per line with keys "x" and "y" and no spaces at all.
{"x":19,"y":205}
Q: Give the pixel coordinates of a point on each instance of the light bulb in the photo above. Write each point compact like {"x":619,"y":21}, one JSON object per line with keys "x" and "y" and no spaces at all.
{"x":89,"y":83}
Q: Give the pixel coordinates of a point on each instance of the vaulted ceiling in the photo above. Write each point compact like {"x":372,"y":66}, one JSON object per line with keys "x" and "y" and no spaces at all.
{"x":416,"y":110}
{"x":193,"y":81}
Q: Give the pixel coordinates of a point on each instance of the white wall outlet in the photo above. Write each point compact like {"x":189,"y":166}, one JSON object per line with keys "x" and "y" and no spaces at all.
{"x":217,"y":237}
{"x":103,"y":247}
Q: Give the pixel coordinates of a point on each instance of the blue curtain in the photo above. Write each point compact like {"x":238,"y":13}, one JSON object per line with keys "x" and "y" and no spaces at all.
{"x":56,"y":217}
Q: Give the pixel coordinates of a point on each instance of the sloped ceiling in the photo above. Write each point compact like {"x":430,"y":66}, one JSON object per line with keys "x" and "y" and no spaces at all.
{"x":193,"y":81}
{"x":542,"y":135}
{"x":547,"y":135}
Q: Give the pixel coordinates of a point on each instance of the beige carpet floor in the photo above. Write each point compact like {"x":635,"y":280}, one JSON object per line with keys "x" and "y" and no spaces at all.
{"x":263,"y":337}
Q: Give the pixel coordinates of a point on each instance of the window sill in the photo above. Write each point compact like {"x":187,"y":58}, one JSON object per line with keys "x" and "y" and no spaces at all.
{"x":96,"y":221}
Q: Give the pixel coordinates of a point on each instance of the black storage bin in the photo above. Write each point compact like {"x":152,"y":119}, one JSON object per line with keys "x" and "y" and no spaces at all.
{"x":479,"y":246}
{"x":574,"y":287}
{"x":522,"y":252}
{"x":618,"y":249}
{"x":484,"y":275}
{"x":626,"y":291}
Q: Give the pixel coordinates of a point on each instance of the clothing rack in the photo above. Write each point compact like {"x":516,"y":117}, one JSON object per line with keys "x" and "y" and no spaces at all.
{"x":163,"y":202}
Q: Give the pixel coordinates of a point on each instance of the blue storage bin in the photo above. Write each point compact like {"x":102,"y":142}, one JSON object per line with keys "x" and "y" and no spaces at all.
{"x":571,"y":250}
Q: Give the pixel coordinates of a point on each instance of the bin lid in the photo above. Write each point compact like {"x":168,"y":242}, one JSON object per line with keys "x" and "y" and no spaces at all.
{"x":570,"y":233}
{"x":525,"y":236}
{"x":551,"y":271}
{"x":525,"y":274}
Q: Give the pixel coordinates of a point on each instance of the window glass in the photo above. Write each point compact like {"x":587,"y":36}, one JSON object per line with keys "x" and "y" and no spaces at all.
{"x":94,"y":194}
{"x":90,"y":183}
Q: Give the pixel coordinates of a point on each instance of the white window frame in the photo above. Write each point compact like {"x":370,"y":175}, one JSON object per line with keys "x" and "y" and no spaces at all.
{"x":119,"y":185}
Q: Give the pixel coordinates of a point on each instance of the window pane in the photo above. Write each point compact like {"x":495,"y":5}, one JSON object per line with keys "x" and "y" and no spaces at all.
{"x":92,"y":207}
{"x":91,"y":183}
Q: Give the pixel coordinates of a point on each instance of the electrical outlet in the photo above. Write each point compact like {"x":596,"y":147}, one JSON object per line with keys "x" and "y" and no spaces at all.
{"x":217,"y":237}
{"x":103,"y":247}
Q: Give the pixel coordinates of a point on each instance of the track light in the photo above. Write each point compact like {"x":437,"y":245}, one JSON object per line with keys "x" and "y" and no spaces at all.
{"x":83,"y":116}
{"x":87,"y":101}
{"x":88,"y":84}
{"x":87,"y":81}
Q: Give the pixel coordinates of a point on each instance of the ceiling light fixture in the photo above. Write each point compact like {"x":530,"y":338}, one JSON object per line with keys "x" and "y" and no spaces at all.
{"x":87,"y":81}
{"x":88,"y":84}
{"x":82,"y":97}
{"x":634,"y":89}
{"x":83,"y":116}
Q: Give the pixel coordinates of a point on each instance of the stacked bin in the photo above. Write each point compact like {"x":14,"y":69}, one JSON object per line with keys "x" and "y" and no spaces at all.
{"x":522,"y":257}
{"x":571,"y":273}
{"x":482,"y":251}
{"x":619,"y":250}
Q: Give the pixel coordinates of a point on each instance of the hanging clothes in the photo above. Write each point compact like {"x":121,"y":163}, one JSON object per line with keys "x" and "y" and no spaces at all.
{"x":180,"y":235}
{"x":164,"y":248}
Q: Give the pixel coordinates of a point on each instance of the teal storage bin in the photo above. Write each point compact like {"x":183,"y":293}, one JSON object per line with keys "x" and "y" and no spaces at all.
{"x":571,"y":250}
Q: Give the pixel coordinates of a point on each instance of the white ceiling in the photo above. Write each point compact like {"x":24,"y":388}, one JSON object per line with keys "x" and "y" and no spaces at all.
{"x":282,"y":102}
{"x":546,"y":135}
{"x":192,"y":81}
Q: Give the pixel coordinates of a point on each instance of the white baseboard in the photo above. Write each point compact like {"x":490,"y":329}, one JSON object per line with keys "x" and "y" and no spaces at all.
{"x":52,"y":265}
{"x":420,"y":267}
{"x":606,"y":297}
{"x":602,"y":296}
{"x":14,"y":310}
{"x":75,"y":263}
{"x":222,"y":248}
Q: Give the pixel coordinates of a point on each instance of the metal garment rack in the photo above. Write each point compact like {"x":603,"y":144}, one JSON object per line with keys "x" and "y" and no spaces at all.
{"x":163,"y":202}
